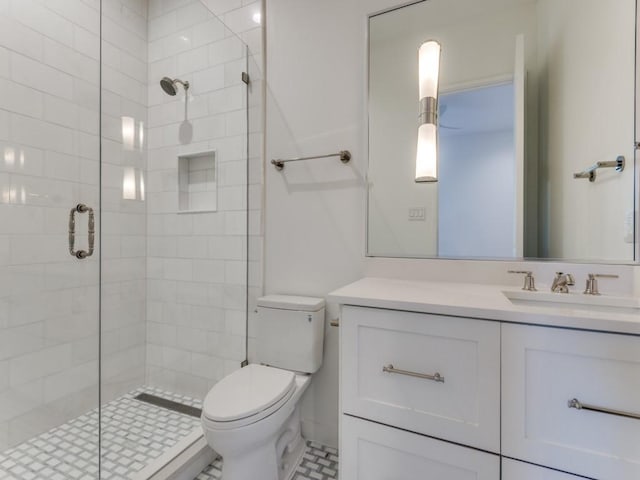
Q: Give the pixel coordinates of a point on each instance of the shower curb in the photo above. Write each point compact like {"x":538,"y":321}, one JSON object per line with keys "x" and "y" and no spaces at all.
{"x":184,"y":461}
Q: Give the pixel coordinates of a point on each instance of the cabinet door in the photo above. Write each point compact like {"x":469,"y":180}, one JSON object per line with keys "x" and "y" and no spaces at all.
{"x":462,"y":405}
{"x":371,"y":451}
{"x":543,"y":371}
{"x":513,"y":470}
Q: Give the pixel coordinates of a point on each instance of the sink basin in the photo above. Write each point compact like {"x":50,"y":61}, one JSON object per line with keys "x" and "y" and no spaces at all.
{"x":574,"y":301}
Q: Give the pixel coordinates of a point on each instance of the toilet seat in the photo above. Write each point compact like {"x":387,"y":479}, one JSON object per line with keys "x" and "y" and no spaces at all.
{"x":247,"y":396}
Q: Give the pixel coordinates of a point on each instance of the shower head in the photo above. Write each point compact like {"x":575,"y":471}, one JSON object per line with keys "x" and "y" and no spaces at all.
{"x":170,"y":86}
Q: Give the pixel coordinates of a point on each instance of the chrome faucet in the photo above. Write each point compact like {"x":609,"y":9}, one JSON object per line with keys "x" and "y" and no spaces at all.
{"x":562,"y":282}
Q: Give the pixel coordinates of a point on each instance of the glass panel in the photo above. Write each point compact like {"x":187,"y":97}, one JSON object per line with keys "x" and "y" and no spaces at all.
{"x":49,"y":163}
{"x":174,"y":189}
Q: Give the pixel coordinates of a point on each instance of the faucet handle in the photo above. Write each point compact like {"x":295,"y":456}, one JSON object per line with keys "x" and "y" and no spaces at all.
{"x":592,"y":282}
{"x":529,"y":281}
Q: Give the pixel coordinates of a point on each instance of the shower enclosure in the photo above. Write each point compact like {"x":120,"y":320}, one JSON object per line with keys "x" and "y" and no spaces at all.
{"x":124,"y":231}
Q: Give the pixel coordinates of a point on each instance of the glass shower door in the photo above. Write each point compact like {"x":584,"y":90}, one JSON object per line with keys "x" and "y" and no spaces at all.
{"x":49,"y":275}
{"x":174,"y":236}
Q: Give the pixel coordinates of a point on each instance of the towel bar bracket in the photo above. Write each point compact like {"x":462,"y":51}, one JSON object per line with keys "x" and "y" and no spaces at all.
{"x":591,"y":172}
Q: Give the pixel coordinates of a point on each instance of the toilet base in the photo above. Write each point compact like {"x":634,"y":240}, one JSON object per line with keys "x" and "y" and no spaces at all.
{"x":275,"y":460}
{"x":293,"y":448}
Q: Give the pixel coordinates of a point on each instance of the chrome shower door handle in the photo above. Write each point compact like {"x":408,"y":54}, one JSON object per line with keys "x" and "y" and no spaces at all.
{"x":81,"y":254}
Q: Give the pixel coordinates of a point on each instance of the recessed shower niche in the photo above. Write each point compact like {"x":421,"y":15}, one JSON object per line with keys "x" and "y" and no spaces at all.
{"x":197,"y":182}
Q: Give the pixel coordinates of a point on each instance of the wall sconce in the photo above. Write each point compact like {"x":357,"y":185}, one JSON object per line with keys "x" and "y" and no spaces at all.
{"x":429,"y":73}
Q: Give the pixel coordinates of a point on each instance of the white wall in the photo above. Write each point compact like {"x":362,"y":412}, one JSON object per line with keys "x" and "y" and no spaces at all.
{"x":597,"y":211}
{"x":315,"y":211}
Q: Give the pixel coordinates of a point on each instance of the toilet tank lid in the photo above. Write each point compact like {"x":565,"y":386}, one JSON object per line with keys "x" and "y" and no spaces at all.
{"x":289,"y":302}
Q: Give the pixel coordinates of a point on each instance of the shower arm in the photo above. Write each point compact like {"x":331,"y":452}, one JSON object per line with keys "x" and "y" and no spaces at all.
{"x":184,"y":84}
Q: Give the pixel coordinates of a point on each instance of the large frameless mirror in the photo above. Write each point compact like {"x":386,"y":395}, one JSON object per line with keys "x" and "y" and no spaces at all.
{"x":530,"y":116}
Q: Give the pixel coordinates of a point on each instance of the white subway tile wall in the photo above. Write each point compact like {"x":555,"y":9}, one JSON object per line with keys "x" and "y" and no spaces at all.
{"x":124,"y":209}
{"x":197,"y":262}
{"x":174,"y":285}
{"x":49,"y":151}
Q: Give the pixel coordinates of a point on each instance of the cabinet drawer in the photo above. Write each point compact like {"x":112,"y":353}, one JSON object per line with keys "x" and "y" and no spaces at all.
{"x":463,"y":405}
{"x":513,"y":470}
{"x":543,"y":370}
{"x":375,"y":452}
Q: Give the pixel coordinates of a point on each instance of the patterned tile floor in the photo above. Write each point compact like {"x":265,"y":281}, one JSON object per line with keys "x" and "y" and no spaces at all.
{"x":318,"y":463}
{"x":133,"y":434}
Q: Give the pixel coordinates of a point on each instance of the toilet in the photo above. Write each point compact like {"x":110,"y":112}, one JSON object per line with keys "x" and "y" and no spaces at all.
{"x":252,"y":416}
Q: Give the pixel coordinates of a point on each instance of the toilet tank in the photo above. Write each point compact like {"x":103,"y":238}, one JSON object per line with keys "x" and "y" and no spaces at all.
{"x":290,"y":332}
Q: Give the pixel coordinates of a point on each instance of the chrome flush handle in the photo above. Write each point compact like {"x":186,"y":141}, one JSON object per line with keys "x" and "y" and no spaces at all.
{"x":81,"y":254}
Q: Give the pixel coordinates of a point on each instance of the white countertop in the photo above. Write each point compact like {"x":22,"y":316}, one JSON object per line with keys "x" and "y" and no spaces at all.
{"x":479,"y":301}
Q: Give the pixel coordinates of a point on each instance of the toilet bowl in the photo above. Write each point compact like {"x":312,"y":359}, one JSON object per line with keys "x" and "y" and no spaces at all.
{"x":258,"y":436}
{"x":252,"y":416}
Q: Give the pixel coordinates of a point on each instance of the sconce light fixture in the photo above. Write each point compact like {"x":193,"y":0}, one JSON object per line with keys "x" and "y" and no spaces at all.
{"x":429,"y":73}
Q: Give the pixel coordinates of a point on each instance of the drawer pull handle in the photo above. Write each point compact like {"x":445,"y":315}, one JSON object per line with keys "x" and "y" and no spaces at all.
{"x":575,"y":403}
{"x":436,"y":377}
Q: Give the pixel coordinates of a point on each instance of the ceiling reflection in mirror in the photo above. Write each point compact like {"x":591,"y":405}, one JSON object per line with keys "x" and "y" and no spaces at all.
{"x":535,"y":105}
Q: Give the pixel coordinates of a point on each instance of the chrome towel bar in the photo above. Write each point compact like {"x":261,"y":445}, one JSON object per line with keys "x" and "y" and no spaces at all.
{"x":590,"y":173}
{"x":345,"y":157}
{"x":575,"y":403}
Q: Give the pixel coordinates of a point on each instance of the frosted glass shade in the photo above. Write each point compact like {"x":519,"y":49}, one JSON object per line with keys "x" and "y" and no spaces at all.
{"x":427,"y":157}
{"x":429,"y":69}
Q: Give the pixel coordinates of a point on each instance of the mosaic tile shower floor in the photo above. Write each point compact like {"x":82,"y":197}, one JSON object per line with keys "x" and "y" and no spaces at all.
{"x":134,"y":434}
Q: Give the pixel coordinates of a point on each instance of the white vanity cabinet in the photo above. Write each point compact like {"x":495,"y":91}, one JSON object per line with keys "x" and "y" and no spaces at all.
{"x":417,"y":375}
{"x":433,"y":393}
{"x":376,"y":452}
{"x":515,"y":470}
{"x":547,"y":374}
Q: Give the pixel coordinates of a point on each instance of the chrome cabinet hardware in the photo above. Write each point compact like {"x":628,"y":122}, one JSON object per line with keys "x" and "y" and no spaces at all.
{"x":335,"y":322}
{"x":529,"y":281}
{"x":81,"y":254}
{"x":592,"y":283}
{"x":575,"y":403}
{"x":562,"y":282}
{"x":590,"y":173}
{"x":345,"y":157}
{"x":436,"y":377}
